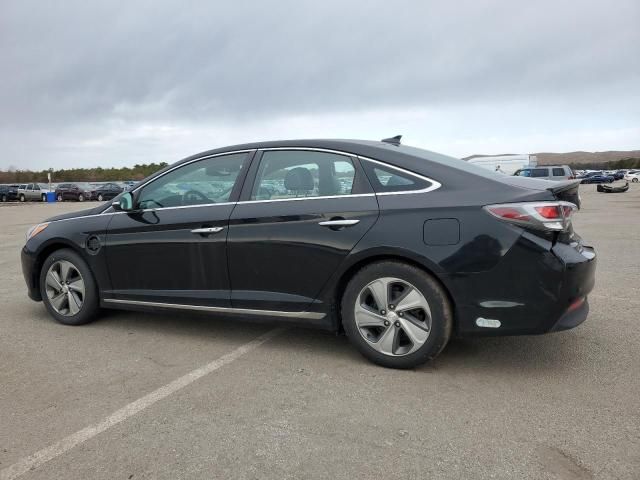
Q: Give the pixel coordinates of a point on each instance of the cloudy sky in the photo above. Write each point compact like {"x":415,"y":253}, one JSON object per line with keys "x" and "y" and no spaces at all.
{"x":114,"y":83}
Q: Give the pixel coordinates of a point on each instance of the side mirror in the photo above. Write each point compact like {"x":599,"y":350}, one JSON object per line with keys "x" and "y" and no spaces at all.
{"x":124,"y":203}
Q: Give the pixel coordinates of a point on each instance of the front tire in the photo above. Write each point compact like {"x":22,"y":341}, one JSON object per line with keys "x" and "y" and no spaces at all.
{"x":81,"y":198}
{"x":396,"y":315}
{"x":634,"y":180}
{"x":59,"y":197}
{"x":68,"y":289}
{"x":22,"y":198}
{"x":4,"y":198}
{"x":100,"y":197}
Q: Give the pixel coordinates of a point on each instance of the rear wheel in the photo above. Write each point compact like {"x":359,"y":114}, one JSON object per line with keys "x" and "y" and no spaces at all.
{"x":396,"y":314}
{"x":44,"y":197}
{"x":100,"y":197}
{"x":59,"y":197}
{"x":81,"y":198}
{"x":634,"y":180}
{"x":4,"y":198}
{"x":68,"y":289}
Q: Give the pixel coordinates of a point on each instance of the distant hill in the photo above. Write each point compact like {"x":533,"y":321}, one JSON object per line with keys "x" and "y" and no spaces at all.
{"x":579,"y":158}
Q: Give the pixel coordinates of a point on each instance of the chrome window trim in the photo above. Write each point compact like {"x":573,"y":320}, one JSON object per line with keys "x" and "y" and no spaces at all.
{"x":206,"y":308}
{"x":434,"y":183}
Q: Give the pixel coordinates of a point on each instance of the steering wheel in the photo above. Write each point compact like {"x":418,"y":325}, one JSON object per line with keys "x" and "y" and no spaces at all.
{"x":191,"y":195}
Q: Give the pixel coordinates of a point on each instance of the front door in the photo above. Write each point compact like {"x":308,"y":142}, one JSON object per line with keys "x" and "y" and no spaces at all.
{"x":173,"y":249}
{"x":294,"y":225}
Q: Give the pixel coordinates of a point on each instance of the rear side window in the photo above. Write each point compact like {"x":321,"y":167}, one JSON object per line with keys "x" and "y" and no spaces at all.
{"x":558,"y":172}
{"x":388,"y":179}
{"x":540,"y":172}
{"x":298,"y":174}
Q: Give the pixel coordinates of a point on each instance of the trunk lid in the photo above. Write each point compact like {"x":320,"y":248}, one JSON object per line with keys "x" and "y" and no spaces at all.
{"x":566,"y":190}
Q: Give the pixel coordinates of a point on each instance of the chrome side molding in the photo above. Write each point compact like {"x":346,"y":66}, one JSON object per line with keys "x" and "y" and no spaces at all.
{"x":205,"y":308}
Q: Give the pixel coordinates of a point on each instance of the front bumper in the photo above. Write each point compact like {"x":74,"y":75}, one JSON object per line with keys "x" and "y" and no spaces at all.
{"x":28,"y":262}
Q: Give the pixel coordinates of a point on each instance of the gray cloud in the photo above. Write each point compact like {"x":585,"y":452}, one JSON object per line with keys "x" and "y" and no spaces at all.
{"x":78,"y":71}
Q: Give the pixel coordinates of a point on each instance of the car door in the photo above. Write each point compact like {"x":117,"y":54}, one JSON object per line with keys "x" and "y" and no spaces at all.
{"x":300,"y":214}
{"x":172,"y":250}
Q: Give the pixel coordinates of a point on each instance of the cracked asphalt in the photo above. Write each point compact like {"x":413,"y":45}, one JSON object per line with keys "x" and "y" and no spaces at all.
{"x":304,"y":404}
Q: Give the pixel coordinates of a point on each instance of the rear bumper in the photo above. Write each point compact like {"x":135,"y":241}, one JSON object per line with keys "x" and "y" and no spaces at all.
{"x":535,"y":289}
{"x":29,"y":272}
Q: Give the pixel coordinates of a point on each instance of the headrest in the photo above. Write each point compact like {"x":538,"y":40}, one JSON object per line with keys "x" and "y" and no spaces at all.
{"x":298,"y":179}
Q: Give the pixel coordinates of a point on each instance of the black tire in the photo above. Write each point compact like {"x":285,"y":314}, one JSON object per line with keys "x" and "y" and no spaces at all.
{"x":441,"y":313}
{"x":100,"y":197}
{"x":44,"y":197}
{"x":59,"y":198}
{"x":81,"y":198}
{"x":634,"y":180}
{"x":90,"y":306}
{"x":4,"y":198}
{"x":22,"y":197}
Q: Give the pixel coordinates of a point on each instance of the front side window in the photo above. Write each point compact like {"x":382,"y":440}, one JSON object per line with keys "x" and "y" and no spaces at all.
{"x":206,"y":181}
{"x":298,"y":174}
{"x":388,"y":179}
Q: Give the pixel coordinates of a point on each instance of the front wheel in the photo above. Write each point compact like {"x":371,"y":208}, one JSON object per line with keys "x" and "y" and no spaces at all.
{"x":100,"y":197}
{"x":4,"y":198}
{"x":59,"y":198}
{"x":396,"y":315}
{"x":81,"y":198}
{"x":22,"y":198}
{"x":634,"y":180}
{"x":68,"y":289}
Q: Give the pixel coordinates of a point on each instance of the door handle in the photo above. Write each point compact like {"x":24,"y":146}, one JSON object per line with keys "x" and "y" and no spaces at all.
{"x":339,"y":223}
{"x":207,"y":230}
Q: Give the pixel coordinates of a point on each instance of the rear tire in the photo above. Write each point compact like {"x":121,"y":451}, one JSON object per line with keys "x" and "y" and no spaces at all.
{"x":81,"y":198}
{"x":405,"y":335}
{"x":59,"y":197}
{"x":44,"y":197}
{"x":634,"y":180}
{"x":100,"y":197}
{"x":4,"y":198}
{"x":68,"y":289}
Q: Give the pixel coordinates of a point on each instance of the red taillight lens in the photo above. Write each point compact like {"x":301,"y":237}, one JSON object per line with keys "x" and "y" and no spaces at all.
{"x":550,"y":211}
{"x":551,"y":216}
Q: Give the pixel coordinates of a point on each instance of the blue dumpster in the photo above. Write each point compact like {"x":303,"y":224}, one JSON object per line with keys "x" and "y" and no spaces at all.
{"x":51,"y":197}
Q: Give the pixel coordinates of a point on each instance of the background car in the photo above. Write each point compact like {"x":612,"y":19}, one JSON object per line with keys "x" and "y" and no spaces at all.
{"x":8,"y":193}
{"x":106,"y":192}
{"x":547,"y":172}
{"x":633,"y":176}
{"x":73,"y":191}
{"x":33,"y":192}
{"x":597,"y":177}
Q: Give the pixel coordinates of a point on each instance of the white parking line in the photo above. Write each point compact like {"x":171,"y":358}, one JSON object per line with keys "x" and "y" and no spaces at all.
{"x":49,"y":453}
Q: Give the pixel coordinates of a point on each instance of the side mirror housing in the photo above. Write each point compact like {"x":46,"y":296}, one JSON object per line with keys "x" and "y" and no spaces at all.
{"x":124,"y":203}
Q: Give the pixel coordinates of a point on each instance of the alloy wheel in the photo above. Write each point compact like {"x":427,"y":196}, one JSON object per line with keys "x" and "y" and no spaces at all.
{"x":393,"y":316}
{"x":65,"y":288}
{"x":100,"y":198}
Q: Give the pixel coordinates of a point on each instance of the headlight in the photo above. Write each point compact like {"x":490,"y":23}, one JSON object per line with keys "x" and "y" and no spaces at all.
{"x":35,"y":230}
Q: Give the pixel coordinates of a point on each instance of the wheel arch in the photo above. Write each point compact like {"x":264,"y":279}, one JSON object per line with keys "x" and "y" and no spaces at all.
{"x":351,"y":270}
{"x":43,"y":254}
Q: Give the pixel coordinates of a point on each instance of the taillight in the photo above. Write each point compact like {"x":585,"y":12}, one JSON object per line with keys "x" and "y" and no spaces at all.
{"x":555,"y":216}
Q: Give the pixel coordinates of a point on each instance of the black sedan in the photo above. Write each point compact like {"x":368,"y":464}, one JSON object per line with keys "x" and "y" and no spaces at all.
{"x":398,"y":247}
{"x":597,"y":178}
{"x":108,"y":191}
{"x":8,"y":193}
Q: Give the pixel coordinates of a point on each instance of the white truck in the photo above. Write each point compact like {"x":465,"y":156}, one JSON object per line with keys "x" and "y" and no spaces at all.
{"x":507,"y":164}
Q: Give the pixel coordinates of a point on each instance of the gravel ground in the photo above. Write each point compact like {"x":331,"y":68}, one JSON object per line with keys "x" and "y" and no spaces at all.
{"x":304,"y":404}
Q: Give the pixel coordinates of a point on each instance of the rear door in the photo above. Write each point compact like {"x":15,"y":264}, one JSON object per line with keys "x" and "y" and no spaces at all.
{"x":172,"y":251}
{"x":301,"y":212}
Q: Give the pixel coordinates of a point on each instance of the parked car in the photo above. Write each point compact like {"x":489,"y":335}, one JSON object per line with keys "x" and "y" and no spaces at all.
{"x":73,"y":191}
{"x":619,"y":175}
{"x":399,"y":247}
{"x":595,"y":177}
{"x":107,"y":191}
{"x":547,"y":172}
{"x":33,"y":192}
{"x":633,"y":176}
{"x":8,"y":193}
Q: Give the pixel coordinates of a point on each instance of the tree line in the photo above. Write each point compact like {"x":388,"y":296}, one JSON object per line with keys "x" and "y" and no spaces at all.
{"x":623,"y":164}
{"x":98,"y":174}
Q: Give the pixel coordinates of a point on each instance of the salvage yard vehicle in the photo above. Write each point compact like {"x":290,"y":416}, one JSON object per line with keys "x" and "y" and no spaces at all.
{"x":33,"y":192}
{"x":398,"y":247}
{"x":632,"y":176}
{"x":596,"y":177}
{"x":73,"y":191}
{"x":8,"y":193}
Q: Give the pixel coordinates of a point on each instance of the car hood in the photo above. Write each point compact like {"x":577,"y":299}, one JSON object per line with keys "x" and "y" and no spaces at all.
{"x":81,"y":213}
